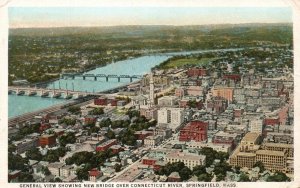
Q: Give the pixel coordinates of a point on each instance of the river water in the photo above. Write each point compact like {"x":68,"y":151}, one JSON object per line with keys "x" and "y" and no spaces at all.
{"x":18,"y":105}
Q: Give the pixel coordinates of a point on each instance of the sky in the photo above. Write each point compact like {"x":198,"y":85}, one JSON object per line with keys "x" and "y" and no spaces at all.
{"x":26,"y":17}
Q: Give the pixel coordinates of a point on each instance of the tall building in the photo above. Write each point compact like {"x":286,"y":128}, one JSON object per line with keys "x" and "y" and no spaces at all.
{"x":171,"y":117}
{"x":151,"y":90}
{"x":226,"y":93}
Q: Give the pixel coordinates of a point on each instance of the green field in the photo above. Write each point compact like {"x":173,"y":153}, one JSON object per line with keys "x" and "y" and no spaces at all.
{"x":187,"y":61}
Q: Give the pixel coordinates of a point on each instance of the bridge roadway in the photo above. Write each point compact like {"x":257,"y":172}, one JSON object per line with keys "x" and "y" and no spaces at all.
{"x":42,"y":91}
{"x":95,"y":76}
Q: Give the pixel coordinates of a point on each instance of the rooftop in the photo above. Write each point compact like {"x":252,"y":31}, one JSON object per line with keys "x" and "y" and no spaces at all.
{"x":279,"y":145}
{"x":188,"y":156}
{"x":251,"y":136}
{"x":268,"y":152}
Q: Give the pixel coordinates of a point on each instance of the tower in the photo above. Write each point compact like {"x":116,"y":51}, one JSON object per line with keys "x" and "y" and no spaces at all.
{"x":151,"y":89}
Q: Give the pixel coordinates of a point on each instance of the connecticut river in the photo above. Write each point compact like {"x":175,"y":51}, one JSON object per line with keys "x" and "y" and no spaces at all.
{"x":18,"y":105}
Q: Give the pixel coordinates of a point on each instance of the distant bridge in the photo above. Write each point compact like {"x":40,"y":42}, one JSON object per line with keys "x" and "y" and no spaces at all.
{"x":96,"y":76}
{"x":46,"y":92}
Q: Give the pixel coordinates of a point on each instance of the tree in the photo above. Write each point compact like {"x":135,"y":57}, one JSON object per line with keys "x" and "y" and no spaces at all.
{"x":278,"y":177}
{"x":198,"y":170}
{"x":11,"y":148}
{"x":260,"y":165}
{"x":46,"y":171}
{"x":16,"y":162}
{"x":53,"y":155}
{"x":220,"y":177}
{"x":26,"y":177}
{"x":244,"y":178}
{"x":117,"y":167}
{"x":68,"y":121}
{"x":34,"y":154}
{"x":68,"y":138}
{"x":222,"y":168}
{"x":110,"y":134}
{"x":74,"y":109}
{"x":97,"y":111}
{"x":185,"y":173}
{"x":205,"y":177}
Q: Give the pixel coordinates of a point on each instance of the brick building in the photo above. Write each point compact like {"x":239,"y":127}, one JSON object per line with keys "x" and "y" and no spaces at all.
{"x":195,"y":130}
{"x":100,"y":101}
{"x":195,"y":72}
{"x":104,"y":146}
{"x":47,"y":140}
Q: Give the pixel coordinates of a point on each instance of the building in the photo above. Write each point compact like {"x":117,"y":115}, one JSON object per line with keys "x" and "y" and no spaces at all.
{"x":195,"y":91}
{"x":225,"y":138}
{"x":171,"y":117}
{"x":139,"y":100}
{"x":226,"y":93}
{"x":288,"y":148}
{"x":141,"y":135}
{"x":101,"y":101}
{"x":94,"y":174}
{"x":104,"y":146}
{"x":26,"y":144}
{"x":67,"y":171}
{"x":195,"y":72}
{"x":55,"y":168}
{"x":274,"y":156}
{"x":152,"y":141}
{"x":164,"y":132}
{"x":149,"y":113}
{"x":47,"y":140}
{"x":180,"y":92}
{"x":189,"y":159}
{"x":234,"y":77}
{"x":256,"y":125}
{"x":167,"y":101}
{"x":174,"y":177}
{"x":272,"y":160}
{"x":217,"y":147}
{"x":90,"y":119}
{"x":151,"y":92}
{"x":216,"y":105}
{"x":194,"y":131}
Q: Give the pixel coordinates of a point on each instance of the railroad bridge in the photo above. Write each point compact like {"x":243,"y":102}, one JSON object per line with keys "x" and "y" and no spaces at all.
{"x":96,"y":76}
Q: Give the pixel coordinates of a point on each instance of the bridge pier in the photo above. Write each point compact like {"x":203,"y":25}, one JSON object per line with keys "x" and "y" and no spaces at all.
{"x":130,"y":79}
{"x":83,"y":77}
{"x":106,"y":78}
{"x":95,"y":78}
{"x":119,"y":79}
{"x":73,"y":77}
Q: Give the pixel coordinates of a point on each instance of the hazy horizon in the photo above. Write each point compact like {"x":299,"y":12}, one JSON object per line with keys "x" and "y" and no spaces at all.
{"x":56,"y":17}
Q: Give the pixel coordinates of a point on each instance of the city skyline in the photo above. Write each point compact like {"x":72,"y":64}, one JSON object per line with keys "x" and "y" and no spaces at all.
{"x":32,"y":17}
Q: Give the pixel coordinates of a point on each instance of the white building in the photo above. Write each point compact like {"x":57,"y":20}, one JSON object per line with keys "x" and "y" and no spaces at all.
{"x":167,"y":101}
{"x":256,"y":126}
{"x":189,"y":159}
{"x":172,"y":117}
{"x":152,"y":141}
